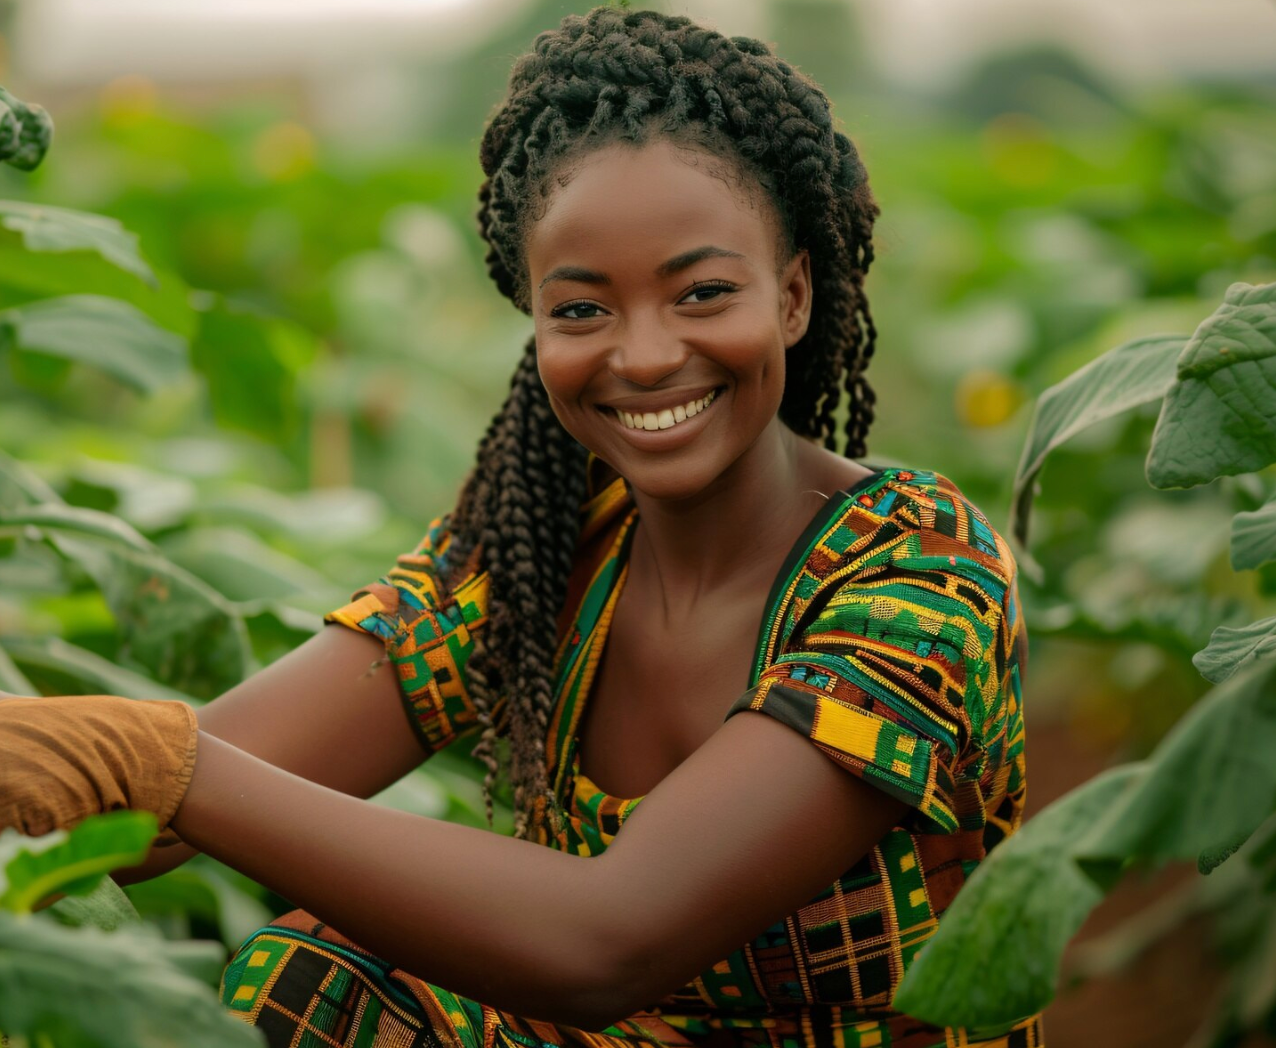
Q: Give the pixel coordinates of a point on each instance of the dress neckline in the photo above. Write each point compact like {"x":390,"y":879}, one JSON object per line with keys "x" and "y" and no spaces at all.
{"x":798,"y":555}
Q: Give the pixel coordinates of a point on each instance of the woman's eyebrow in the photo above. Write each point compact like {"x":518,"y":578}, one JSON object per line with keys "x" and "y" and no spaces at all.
{"x":667,"y":268}
{"x":577,"y":273}
{"x":690,"y":258}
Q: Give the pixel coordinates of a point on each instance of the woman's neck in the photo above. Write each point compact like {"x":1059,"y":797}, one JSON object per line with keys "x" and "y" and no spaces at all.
{"x":732,"y":536}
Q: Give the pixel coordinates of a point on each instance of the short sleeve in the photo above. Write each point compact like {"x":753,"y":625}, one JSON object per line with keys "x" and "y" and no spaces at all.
{"x":903,"y":668}
{"x":428,"y":632}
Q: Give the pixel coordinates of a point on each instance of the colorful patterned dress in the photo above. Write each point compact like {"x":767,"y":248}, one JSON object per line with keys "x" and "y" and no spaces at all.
{"x":892,"y":638}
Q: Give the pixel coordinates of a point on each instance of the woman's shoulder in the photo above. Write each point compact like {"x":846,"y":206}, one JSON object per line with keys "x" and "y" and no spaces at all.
{"x":924,"y":510}
{"x":905,"y":543}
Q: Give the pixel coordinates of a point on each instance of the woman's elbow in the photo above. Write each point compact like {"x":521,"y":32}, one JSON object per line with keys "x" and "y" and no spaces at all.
{"x":624,"y":978}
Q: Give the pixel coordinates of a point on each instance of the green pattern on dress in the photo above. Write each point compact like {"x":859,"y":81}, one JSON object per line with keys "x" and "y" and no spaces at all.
{"x":892,"y":638}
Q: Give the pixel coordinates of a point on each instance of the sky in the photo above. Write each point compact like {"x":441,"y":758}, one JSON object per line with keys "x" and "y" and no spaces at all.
{"x":80,"y":43}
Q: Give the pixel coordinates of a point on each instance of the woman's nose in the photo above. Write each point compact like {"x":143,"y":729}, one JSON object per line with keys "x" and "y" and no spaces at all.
{"x":647,"y":353}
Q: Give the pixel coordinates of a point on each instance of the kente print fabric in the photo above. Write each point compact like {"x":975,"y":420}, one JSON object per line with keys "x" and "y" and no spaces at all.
{"x":892,"y":639}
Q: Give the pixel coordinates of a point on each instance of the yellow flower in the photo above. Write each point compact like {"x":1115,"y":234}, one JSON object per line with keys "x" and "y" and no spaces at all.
{"x":987,"y":398}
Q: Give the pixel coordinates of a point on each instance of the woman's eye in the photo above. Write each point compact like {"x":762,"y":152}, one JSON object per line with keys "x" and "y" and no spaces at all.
{"x":703,"y":293}
{"x":573,"y":311}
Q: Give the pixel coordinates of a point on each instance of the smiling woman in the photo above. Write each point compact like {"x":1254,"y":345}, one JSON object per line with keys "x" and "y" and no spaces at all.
{"x":668,"y":329}
{"x":659,"y":535}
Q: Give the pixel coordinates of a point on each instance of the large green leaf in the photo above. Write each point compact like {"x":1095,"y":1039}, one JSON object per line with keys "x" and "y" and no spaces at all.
{"x":178,"y":627}
{"x":105,"y":907}
{"x":1254,"y":536}
{"x":46,"y":228}
{"x":148,"y":499}
{"x":1229,"y":649}
{"x":26,"y":276}
{"x":19,"y":486}
{"x":96,"y":674}
{"x":84,"y":988}
{"x":328,"y":515}
{"x":108,"y":334}
{"x":276,"y":628}
{"x":77,"y":519}
{"x":12,"y":679}
{"x":194,"y":891}
{"x":995,"y":957}
{"x":1129,"y":375}
{"x":1216,"y":419}
{"x":1211,"y":782}
{"x":251,"y":363}
{"x":240,"y":565}
{"x":185,"y":633}
{"x":74,"y":863}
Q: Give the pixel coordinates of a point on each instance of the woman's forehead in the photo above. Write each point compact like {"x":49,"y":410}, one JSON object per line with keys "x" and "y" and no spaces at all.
{"x":655,"y":199}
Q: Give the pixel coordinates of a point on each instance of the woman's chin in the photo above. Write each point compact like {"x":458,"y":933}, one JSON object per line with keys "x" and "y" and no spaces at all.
{"x":670,"y":480}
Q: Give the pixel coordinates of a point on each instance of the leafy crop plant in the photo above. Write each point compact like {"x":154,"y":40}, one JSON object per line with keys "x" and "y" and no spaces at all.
{"x":1207,"y":793}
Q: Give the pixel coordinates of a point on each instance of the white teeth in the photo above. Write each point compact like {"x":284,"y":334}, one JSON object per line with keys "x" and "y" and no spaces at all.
{"x":667,"y":418}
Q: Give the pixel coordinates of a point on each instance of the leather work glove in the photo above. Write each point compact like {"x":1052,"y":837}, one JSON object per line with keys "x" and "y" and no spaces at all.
{"x":65,"y":757}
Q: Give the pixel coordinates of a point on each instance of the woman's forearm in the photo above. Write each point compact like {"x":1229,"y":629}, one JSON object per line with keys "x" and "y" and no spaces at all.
{"x":500,"y":920}
{"x":165,"y":855}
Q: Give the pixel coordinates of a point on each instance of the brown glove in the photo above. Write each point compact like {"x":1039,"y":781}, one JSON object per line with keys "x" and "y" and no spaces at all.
{"x":65,"y":757}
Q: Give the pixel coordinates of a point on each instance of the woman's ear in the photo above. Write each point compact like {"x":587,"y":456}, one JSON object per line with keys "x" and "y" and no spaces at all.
{"x":795,"y":297}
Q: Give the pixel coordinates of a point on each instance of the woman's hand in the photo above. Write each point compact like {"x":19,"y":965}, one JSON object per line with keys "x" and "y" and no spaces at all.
{"x":65,"y":757}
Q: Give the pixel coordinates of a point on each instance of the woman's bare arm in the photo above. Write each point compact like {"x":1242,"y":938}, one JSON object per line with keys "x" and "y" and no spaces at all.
{"x":748,"y":828}
{"x":318,"y":712}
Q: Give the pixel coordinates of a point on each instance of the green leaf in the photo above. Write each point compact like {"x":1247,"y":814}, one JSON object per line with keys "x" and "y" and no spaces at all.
{"x":105,"y":907}
{"x":239,"y":914}
{"x":20,"y":487}
{"x":176,"y":626}
{"x":12,"y":679}
{"x":1123,"y":378}
{"x":995,"y":957}
{"x":46,"y":228}
{"x":27,"y":275}
{"x":77,"y":519}
{"x":181,"y":630}
{"x":72,"y":863}
{"x":98,"y":675}
{"x":1216,"y":419}
{"x":1211,"y":781}
{"x":242,"y":566}
{"x":194,"y":891}
{"x":110,"y":335}
{"x":329,"y":515}
{"x":276,"y":629}
{"x":146,"y":498}
{"x":118,"y":989}
{"x":1229,"y":649}
{"x":251,"y":363}
{"x":1254,"y":537}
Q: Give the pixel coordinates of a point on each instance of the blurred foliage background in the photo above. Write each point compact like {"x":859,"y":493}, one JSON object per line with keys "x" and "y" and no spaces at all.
{"x":336,"y":351}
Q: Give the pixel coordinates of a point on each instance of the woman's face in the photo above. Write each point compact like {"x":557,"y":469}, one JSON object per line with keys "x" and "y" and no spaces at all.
{"x":661,"y":319}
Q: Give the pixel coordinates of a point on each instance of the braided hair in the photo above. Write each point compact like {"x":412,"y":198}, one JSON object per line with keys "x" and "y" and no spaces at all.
{"x":621,"y":75}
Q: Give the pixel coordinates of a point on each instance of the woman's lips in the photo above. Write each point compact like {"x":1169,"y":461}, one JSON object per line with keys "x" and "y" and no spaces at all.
{"x":675,"y":432}
{"x":666,"y":418}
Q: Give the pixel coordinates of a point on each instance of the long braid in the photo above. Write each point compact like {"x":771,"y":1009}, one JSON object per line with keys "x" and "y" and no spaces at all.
{"x":620,"y":75}
{"x":520,"y":512}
